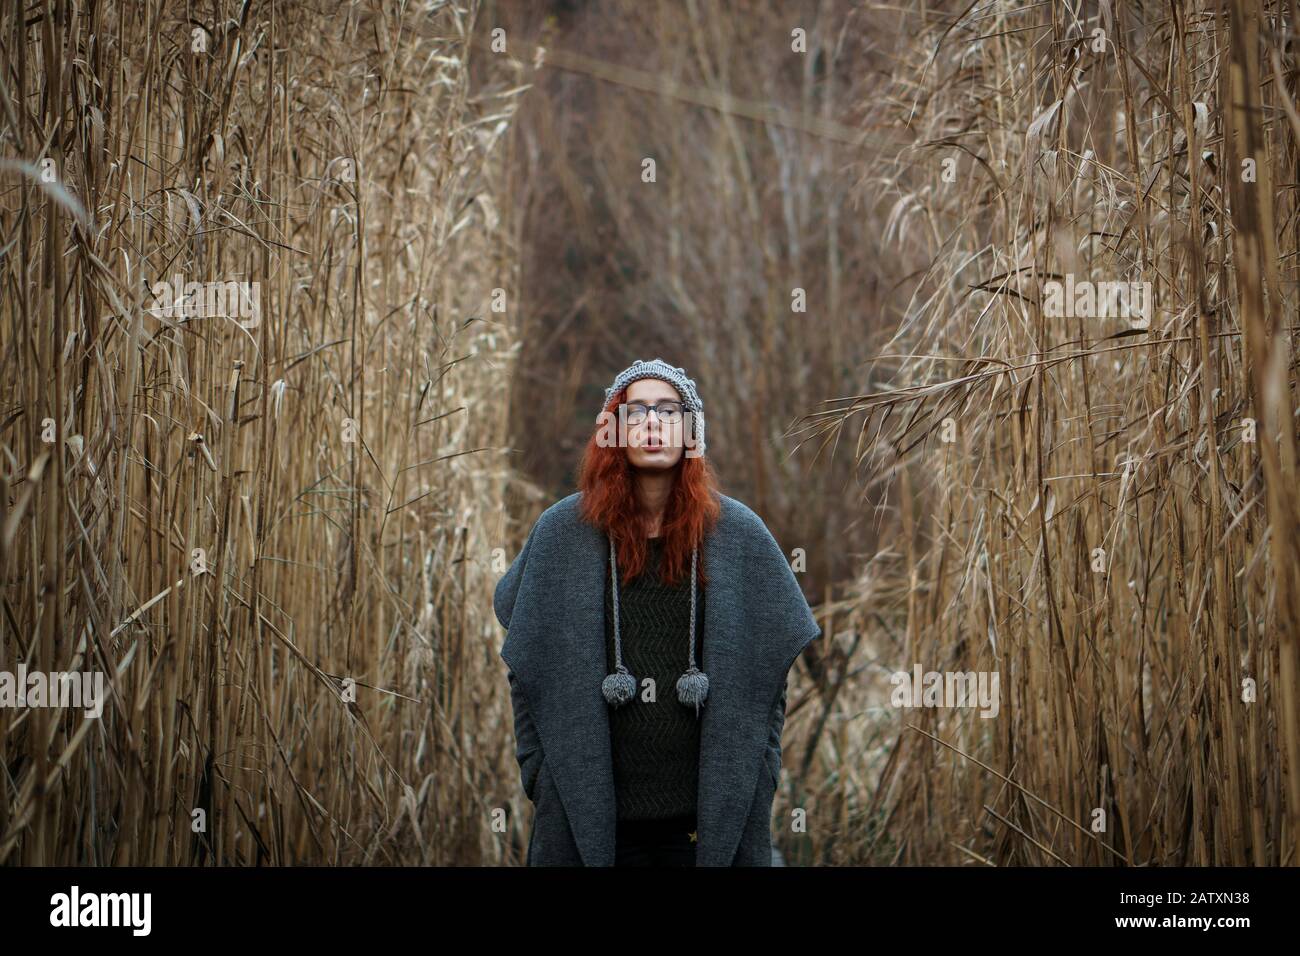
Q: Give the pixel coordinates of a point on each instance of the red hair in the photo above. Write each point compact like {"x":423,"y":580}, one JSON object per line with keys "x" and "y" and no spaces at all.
{"x":605,"y":478}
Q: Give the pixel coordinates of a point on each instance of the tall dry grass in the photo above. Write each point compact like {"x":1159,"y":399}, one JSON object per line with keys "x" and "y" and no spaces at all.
{"x":183,"y":509}
{"x":754,"y":146}
{"x":1102,"y":531}
{"x":353,"y":161}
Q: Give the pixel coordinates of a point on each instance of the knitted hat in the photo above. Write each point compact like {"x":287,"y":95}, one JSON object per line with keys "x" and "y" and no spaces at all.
{"x":693,"y":686}
{"x":675,"y":377}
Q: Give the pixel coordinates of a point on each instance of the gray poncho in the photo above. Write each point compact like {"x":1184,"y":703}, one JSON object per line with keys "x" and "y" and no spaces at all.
{"x":757,"y":621}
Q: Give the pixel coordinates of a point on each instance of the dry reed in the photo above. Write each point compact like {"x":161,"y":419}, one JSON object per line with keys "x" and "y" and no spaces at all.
{"x":248,"y":525}
{"x":1105,"y":514}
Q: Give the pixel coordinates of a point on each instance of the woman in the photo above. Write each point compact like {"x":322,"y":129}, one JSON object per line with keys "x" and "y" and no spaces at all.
{"x":661,"y":744}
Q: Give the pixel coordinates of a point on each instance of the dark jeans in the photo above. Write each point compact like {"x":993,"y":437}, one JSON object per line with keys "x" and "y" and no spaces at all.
{"x":655,"y":842}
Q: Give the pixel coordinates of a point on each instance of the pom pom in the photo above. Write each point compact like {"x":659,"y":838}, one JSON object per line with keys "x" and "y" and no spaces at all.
{"x":619,"y":687}
{"x":693,"y":688}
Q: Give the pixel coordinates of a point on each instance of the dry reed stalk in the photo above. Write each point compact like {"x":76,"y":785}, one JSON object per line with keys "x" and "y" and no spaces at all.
{"x":1124,"y":671}
{"x":744,"y":260}
{"x":342,"y":158}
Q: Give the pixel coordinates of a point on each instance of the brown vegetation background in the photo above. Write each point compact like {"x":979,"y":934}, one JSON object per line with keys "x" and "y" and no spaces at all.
{"x":456,"y":254}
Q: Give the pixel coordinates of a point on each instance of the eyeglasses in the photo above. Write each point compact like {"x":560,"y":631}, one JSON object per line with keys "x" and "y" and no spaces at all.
{"x":670,"y":413}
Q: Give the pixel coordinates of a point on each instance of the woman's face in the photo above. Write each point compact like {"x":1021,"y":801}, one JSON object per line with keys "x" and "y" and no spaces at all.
{"x":652,"y":444}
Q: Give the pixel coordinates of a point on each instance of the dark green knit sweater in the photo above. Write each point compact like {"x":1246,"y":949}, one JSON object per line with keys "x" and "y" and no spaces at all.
{"x":655,"y":746}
